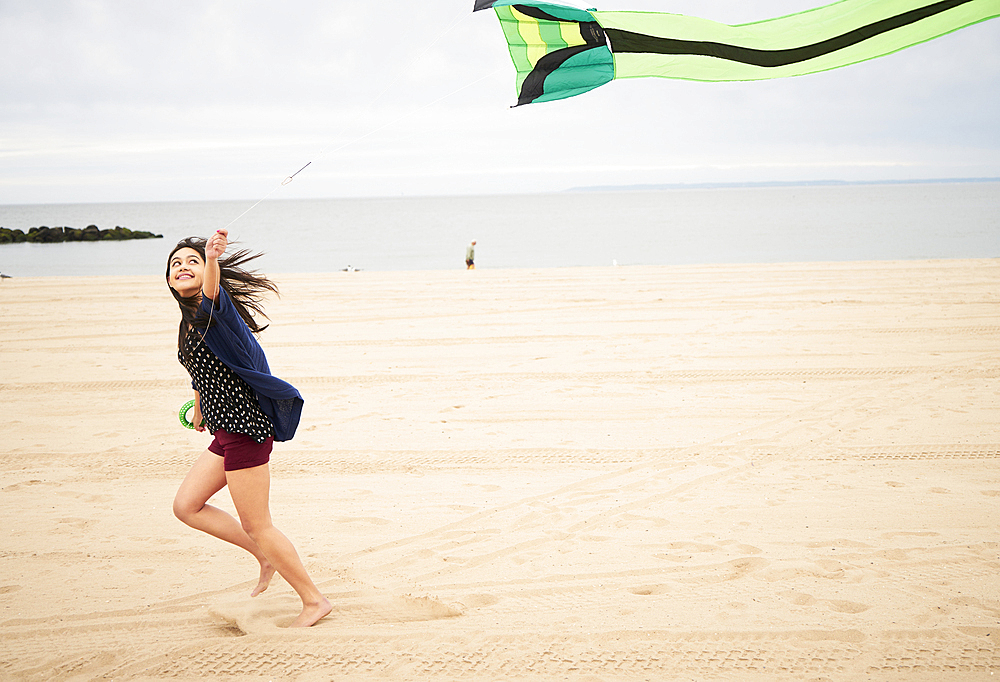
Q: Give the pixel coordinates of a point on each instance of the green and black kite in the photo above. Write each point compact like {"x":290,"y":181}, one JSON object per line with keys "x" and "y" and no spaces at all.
{"x":561,"y":51}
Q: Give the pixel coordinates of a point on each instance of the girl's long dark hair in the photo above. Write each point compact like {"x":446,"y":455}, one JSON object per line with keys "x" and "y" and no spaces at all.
{"x":246,"y":289}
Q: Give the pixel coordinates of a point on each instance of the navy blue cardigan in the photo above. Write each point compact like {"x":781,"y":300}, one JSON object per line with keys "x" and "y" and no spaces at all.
{"x":233,"y":343}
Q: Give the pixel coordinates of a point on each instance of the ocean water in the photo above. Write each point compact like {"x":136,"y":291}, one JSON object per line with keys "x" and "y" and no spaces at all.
{"x":653,"y":227}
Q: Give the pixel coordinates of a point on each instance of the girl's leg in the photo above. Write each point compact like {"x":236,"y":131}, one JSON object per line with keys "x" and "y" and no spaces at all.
{"x":206,"y":478}
{"x":250,"y":489}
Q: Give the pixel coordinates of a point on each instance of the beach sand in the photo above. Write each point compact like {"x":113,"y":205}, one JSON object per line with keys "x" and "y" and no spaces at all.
{"x":770,"y":472}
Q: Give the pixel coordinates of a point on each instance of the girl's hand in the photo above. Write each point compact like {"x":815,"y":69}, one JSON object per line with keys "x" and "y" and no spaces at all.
{"x":216,"y":245}
{"x":197,"y":419}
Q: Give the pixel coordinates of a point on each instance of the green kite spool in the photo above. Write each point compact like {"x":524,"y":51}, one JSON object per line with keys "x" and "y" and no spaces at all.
{"x":182,"y":415}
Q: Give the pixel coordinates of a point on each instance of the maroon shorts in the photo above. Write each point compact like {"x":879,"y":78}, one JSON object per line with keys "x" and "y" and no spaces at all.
{"x":240,"y":451}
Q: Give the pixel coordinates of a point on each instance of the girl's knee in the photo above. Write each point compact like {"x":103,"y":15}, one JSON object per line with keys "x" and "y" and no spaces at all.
{"x":254,"y":528}
{"x":184,"y":510}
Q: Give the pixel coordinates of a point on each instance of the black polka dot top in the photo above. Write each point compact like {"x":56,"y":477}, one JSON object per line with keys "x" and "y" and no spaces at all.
{"x":227,"y":402}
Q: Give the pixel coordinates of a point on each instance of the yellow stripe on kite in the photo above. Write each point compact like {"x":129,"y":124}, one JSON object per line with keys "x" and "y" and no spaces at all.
{"x":571,"y":33}
{"x":530,"y":33}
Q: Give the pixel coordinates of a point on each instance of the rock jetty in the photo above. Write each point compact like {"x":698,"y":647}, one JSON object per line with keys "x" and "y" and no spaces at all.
{"x":54,"y":235}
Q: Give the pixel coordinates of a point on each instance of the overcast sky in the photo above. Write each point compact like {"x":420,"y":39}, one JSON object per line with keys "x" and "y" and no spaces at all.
{"x":220,"y":99}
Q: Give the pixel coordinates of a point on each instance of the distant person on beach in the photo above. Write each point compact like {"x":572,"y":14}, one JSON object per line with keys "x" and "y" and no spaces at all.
{"x":470,"y":256}
{"x":241,"y":404}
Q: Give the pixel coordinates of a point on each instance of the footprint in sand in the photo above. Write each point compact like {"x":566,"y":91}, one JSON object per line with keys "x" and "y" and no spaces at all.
{"x":691,"y":547}
{"x":798,"y":598}
{"x":478,"y":601}
{"x":846,"y":606}
{"x":650,"y":590}
{"x":78,"y":523}
{"x":17,"y":486}
{"x":838,"y":605}
{"x":485,"y":488}
{"x":86,"y":497}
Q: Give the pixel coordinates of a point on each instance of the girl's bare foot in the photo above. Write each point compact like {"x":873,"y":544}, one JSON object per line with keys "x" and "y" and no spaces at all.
{"x":311,"y":613}
{"x":266,"y":573}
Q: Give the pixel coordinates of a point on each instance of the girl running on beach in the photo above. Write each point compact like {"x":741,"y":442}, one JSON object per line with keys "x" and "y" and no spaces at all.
{"x":241,"y":404}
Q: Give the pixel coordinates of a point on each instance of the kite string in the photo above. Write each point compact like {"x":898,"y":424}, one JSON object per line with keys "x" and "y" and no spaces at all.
{"x":358,"y":139}
{"x":400,"y":118}
{"x":399,"y":74}
{"x":370,"y":106}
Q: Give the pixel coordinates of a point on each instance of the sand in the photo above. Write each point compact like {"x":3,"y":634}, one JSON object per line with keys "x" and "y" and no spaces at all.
{"x":773,"y":472}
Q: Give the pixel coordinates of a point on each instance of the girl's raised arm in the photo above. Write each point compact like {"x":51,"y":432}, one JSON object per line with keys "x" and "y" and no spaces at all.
{"x":214,"y":248}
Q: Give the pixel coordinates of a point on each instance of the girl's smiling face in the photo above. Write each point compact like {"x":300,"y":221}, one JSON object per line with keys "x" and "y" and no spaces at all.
{"x":186,"y":272}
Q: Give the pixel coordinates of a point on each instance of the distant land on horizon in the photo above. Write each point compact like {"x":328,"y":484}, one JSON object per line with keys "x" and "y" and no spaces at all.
{"x":774,"y":183}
